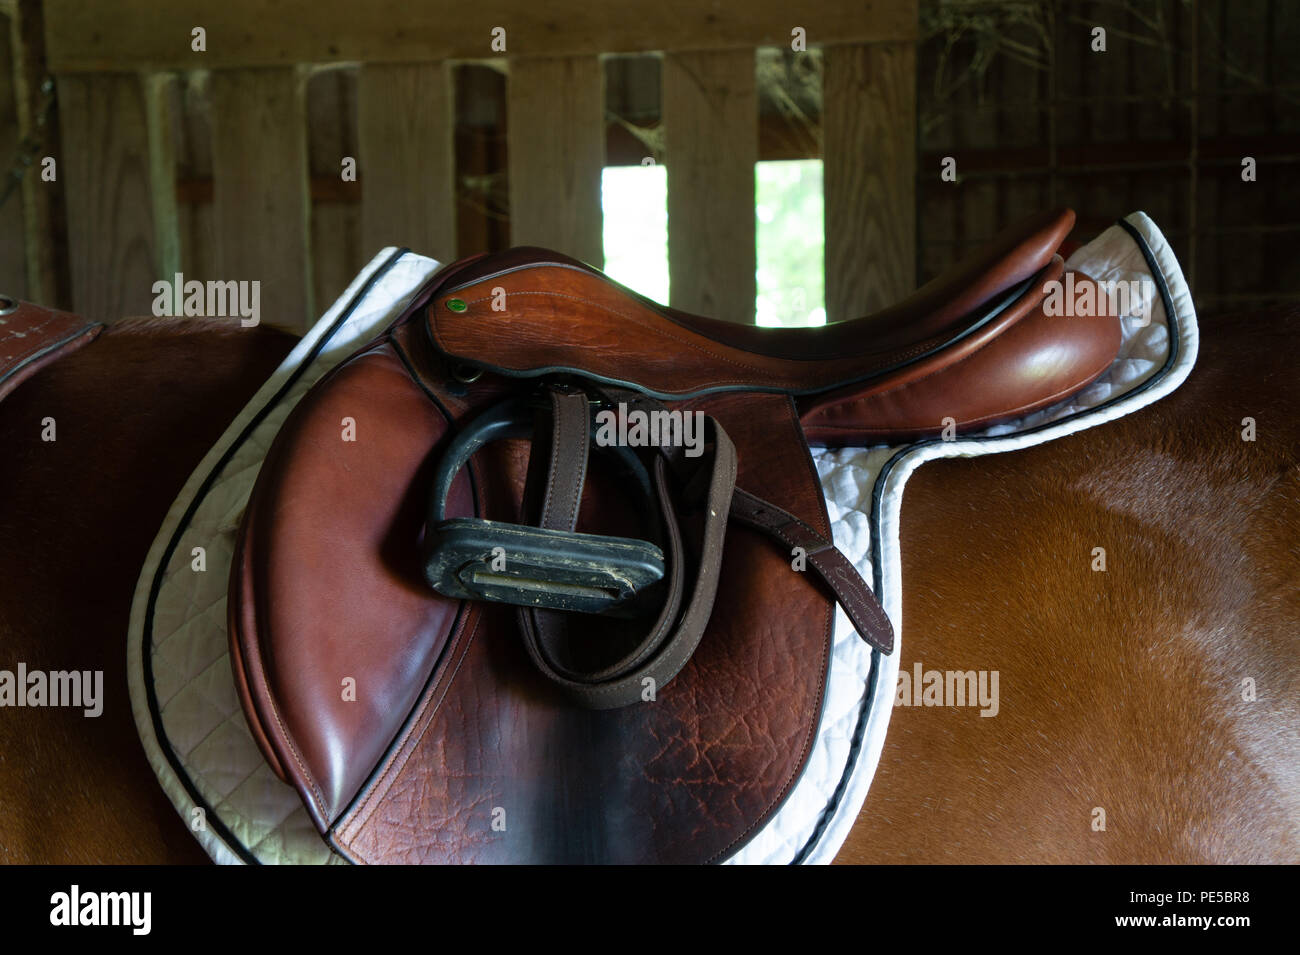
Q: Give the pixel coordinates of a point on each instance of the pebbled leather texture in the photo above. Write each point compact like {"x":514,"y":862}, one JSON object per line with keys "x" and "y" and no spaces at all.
{"x":686,"y":778}
{"x":338,"y":574}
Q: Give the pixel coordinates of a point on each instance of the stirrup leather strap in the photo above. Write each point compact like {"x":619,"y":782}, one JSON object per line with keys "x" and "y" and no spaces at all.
{"x":687,"y":599}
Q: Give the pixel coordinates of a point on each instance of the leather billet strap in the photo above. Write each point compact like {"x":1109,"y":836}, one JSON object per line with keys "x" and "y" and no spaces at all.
{"x":828,"y":561}
{"x":691,"y":585}
{"x":836,"y":570}
{"x":567,"y":464}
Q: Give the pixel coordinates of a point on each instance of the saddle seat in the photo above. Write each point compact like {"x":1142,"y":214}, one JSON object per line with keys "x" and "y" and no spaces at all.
{"x":975,"y":344}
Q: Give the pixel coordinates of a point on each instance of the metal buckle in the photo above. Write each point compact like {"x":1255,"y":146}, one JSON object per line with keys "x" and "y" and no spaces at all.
{"x":466,"y":373}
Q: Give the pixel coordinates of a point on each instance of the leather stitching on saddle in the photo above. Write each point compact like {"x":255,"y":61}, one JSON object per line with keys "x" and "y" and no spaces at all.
{"x":317,"y":796}
{"x":987,"y":419}
{"x":406,"y":746}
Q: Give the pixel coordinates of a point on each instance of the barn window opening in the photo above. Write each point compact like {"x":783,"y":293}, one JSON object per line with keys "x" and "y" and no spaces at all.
{"x":789,"y":213}
{"x":791,"y":245}
{"x":635,"y":204}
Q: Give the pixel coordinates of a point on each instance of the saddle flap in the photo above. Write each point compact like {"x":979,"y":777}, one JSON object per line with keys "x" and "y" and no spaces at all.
{"x":333,"y":629}
{"x":687,"y":774}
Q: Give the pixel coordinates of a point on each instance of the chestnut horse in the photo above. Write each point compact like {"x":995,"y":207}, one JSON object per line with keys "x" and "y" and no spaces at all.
{"x":1121,"y":691}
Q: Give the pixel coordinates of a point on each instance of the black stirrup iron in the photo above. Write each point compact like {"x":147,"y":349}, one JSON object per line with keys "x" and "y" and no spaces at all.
{"x":542,"y":567}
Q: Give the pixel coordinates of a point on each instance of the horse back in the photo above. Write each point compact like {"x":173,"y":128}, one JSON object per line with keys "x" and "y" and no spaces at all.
{"x":95,"y":448}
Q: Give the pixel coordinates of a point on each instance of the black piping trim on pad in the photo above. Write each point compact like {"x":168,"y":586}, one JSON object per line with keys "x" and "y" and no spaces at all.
{"x":877,"y":495}
{"x":146,"y":656}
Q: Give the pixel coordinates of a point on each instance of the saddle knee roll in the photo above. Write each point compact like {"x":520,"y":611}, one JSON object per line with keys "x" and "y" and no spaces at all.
{"x":1039,"y":360}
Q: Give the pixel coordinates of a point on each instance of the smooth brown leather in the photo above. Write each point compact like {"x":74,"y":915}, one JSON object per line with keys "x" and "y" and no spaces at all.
{"x":853,"y":379}
{"x":32,"y":337}
{"x":453,"y":729}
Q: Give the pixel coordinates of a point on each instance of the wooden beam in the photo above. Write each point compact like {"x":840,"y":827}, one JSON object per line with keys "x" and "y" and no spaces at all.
{"x":406,"y":117}
{"x":44,"y":216}
{"x":556,"y":133}
{"x":13,"y":239}
{"x":259,"y":172}
{"x":162,"y":172}
{"x":332,"y":136}
{"x":869,"y":135}
{"x":146,"y":34}
{"x":106,"y":176}
{"x":711,"y":114}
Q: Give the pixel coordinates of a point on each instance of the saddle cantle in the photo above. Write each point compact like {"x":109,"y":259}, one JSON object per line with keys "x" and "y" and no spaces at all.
{"x":424,"y":727}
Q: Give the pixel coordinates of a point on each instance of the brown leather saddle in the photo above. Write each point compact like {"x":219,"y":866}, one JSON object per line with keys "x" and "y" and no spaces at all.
{"x":544,"y":573}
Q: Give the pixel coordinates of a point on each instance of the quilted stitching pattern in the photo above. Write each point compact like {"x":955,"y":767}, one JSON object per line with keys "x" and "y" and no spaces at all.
{"x":195,"y":691}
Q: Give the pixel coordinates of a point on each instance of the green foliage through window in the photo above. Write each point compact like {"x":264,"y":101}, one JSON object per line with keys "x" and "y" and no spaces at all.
{"x":789,"y":214}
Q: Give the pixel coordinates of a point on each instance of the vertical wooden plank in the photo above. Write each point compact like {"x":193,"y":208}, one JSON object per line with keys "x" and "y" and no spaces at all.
{"x":406,"y":121}
{"x":194,"y":163}
{"x":1203,"y":261}
{"x":869,"y":131}
{"x":555,"y":118}
{"x":160,"y":115}
{"x":259,"y":189}
{"x":976,"y":192}
{"x":1244,"y":57}
{"x":1109,"y":76}
{"x":105,"y":169}
{"x":710,"y":110}
{"x":44,"y":213}
{"x":13,"y":238}
{"x":1021,"y":124}
{"x":336,"y":255}
{"x":936,"y":222}
{"x":336,"y":246}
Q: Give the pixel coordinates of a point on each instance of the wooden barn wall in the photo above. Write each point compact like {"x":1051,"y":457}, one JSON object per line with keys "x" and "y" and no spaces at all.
{"x":219,"y":153}
{"x":1010,"y":90}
